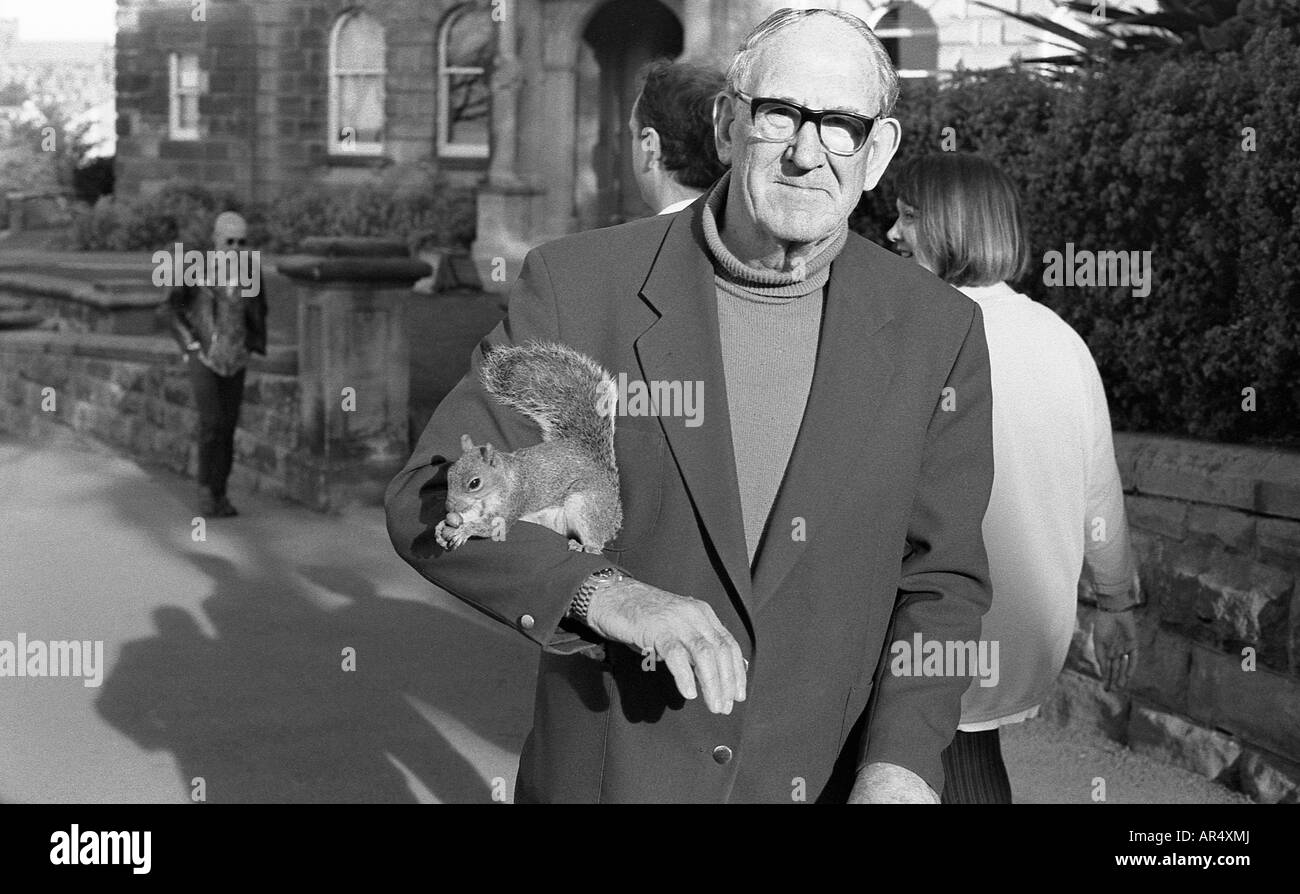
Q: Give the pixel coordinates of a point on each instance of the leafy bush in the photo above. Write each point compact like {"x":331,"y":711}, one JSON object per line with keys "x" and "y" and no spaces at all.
{"x":179,"y":212}
{"x":423,"y":212}
{"x":426,"y":211}
{"x":1150,"y":154}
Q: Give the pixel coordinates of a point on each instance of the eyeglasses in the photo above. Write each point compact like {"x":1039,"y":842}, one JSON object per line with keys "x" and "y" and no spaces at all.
{"x":779,"y":120}
{"x":239,"y":242}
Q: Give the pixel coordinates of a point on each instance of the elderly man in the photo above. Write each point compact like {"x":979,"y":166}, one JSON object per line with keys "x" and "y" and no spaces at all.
{"x":673,"y":154}
{"x":827,"y":503}
{"x":217,"y":327}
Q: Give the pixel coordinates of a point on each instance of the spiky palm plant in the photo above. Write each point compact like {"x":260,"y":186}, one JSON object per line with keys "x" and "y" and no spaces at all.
{"x":1102,"y":31}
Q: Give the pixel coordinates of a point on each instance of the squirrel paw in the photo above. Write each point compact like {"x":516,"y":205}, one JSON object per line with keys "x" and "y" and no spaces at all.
{"x":448,"y":537}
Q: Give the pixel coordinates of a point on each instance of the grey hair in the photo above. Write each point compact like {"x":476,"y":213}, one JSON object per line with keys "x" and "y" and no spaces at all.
{"x":783,"y":18}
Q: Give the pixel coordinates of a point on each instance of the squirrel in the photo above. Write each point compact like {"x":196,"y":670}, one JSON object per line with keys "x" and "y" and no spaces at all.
{"x":570,"y":480}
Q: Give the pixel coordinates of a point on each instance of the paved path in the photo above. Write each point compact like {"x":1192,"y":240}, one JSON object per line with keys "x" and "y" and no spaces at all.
{"x":224,"y":658}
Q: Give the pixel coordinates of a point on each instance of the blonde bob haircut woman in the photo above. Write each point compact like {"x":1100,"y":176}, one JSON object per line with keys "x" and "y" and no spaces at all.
{"x":969,"y":231}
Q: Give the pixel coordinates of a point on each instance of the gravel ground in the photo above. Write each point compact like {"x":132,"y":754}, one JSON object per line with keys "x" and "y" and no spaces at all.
{"x":1049,"y":764}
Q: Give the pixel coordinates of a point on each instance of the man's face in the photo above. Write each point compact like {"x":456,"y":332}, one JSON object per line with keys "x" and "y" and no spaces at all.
{"x":229,"y":233}
{"x":797,"y":191}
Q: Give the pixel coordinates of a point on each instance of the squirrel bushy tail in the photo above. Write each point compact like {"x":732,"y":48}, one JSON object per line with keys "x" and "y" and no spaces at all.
{"x":566,"y":393}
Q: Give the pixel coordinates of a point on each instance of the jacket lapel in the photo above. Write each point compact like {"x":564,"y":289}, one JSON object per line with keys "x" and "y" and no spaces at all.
{"x":682,"y":344}
{"x":852,"y":372}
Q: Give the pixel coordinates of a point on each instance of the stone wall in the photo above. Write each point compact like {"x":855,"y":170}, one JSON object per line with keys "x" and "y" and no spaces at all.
{"x":134,"y":392}
{"x":117,"y":308}
{"x":1217,"y":688}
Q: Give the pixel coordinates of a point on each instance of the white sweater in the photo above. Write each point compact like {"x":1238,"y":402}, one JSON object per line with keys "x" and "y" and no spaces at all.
{"x":1056,"y":504}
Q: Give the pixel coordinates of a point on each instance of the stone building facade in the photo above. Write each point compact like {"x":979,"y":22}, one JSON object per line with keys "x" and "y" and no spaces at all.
{"x":524,"y":100}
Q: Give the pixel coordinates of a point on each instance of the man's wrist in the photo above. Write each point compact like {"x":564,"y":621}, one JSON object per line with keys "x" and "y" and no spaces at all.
{"x":880,"y":782}
{"x":595,"y":583}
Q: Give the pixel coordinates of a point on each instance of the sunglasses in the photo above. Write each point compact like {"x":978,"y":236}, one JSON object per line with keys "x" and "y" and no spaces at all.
{"x":239,"y":242}
{"x":779,"y":120}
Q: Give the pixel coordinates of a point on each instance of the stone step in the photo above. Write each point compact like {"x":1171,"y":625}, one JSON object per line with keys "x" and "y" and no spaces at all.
{"x":11,"y":318}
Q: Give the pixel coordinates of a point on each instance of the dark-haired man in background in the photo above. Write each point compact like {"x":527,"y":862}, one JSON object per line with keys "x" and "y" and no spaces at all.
{"x":673,"y":154}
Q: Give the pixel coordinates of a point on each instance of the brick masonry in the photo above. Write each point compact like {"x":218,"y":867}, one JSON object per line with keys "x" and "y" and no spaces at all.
{"x":1217,"y":688}
{"x":134,"y":393}
{"x":263,"y":115}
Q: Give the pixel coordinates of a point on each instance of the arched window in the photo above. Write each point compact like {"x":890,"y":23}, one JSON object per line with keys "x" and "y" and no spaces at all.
{"x":466,"y":43}
{"x":357,"y":70}
{"x":910,"y":38}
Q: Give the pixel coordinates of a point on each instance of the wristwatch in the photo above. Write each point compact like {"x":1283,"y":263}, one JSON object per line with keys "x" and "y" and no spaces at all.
{"x":595,"y":581}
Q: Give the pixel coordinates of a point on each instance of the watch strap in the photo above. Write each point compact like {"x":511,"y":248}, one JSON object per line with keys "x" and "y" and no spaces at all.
{"x":595,"y":580}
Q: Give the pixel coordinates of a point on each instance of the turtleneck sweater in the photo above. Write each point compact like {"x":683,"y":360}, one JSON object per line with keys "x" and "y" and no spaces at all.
{"x":769,"y":325}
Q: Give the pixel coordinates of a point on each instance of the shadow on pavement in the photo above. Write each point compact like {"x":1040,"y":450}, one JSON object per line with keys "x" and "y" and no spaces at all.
{"x":264,"y":711}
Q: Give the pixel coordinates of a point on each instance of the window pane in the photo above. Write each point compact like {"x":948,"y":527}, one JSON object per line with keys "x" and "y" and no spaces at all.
{"x":361,"y":107}
{"x":467,"y":113}
{"x":360,"y":44}
{"x":470,"y":40}
{"x":189,"y":111}
{"x":187,"y":70}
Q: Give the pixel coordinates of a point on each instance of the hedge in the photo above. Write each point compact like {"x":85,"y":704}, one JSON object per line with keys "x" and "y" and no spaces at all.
{"x":1153,"y":154}
{"x":422,"y":213}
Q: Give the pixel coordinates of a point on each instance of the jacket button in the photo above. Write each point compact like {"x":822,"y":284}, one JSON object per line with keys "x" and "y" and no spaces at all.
{"x":722,"y":754}
{"x":526,"y":622}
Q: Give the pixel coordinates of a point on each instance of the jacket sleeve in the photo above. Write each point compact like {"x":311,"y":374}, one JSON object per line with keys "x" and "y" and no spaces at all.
{"x":527,"y":580}
{"x":943,"y":589}
{"x":255,"y":320}
{"x":178,"y":304}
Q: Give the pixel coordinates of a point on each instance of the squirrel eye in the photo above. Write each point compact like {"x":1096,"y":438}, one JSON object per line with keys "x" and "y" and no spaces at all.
{"x":474,"y":483}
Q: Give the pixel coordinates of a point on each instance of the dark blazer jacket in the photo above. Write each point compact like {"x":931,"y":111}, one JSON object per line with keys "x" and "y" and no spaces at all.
{"x":891,"y":488}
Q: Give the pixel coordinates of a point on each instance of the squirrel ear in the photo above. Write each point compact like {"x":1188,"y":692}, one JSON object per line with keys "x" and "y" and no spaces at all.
{"x":466,"y":443}
{"x":490,"y":454}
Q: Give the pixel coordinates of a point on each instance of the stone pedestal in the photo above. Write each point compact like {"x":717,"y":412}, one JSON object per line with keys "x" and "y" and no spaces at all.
{"x":353,"y":365}
{"x":512,"y":220}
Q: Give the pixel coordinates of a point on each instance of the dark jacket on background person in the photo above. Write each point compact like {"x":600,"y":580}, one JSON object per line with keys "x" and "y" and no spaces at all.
{"x":893,"y":490}
{"x":193,"y":318}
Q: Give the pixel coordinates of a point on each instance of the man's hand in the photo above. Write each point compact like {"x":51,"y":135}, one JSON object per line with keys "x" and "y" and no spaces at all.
{"x":882,"y":783}
{"x":1115,"y":639}
{"x":684,"y":633}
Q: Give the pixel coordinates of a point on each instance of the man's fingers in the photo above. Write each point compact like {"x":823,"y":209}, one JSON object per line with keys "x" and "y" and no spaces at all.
{"x":722,"y":653}
{"x":737,"y":664}
{"x":711,"y":648}
{"x":679,"y":665}
{"x":741,"y":670}
{"x":704,"y":658}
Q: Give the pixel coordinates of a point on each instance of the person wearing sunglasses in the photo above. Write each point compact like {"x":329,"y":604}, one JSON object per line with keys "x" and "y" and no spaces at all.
{"x":821,"y":497}
{"x":217,"y":328}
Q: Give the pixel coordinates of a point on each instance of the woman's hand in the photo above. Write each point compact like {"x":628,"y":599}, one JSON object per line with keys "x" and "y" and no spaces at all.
{"x":1114,"y":637}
